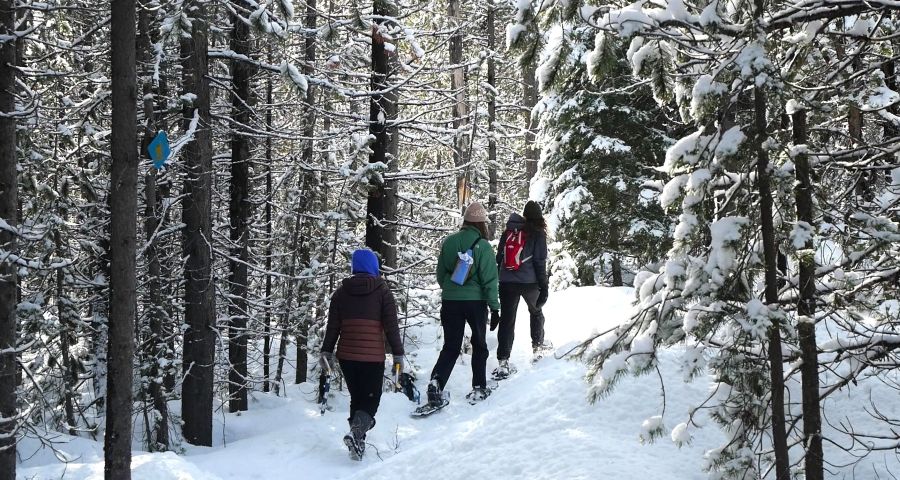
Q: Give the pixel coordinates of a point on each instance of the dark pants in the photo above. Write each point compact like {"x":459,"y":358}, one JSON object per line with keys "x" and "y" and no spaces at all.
{"x":364,"y":381}
{"x":509,"y":304}
{"x":454,"y":316}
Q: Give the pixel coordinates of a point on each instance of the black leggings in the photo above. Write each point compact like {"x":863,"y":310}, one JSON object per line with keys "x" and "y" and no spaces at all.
{"x":364,"y":381}
{"x":509,"y":303}
{"x":455,"y":314}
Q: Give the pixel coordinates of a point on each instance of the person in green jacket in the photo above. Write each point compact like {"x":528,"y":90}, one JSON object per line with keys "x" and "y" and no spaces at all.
{"x":466,"y":303}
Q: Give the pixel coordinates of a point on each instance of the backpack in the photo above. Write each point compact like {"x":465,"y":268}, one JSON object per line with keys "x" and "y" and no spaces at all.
{"x":513,"y":249}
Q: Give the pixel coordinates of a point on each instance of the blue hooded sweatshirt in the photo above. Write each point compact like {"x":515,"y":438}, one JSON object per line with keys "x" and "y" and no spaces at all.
{"x":364,"y":261}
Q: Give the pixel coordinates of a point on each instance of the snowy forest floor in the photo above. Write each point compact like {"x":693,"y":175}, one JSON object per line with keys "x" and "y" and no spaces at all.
{"x":536,"y":425}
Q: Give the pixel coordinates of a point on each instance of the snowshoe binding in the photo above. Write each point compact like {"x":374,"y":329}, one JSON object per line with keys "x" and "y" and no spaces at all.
{"x":478,"y":394}
{"x":503,"y":371}
{"x":437,"y":399}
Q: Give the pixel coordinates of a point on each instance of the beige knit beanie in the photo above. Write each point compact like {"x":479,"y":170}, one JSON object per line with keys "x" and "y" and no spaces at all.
{"x":475,"y":213}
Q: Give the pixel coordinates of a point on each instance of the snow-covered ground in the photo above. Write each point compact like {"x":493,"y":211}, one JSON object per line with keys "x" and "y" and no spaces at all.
{"x":536,"y":425}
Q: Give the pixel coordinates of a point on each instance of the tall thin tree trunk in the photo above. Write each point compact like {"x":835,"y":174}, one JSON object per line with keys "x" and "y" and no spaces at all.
{"x":267,"y":328}
{"x":806,"y":309}
{"x":770,"y":254}
{"x":155,"y":344}
{"x":9,"y":213}
{"x":492,"y":116}
{"x":239,"y":215}
{"x":62,"y":309}
{"x":380,"y":108}
{"x":530,"y":97}
{"x":460,"y":110}
{"x":309,"y":150}
{"x":199,"y":291}
{"x":123,"y":239}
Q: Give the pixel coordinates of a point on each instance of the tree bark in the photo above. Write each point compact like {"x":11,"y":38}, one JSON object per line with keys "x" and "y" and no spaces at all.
{"x":9,"y":213}
{"x":199,"y":291}
{"x":382,"y":111}
{"x":530,"y":98}
{"x":492,"y":117}
{"x":267,"y":327}
{"x":309,"y":131}
{"x":123,"y":233}
{"x":155,"y":346}
{"x":239,"y":214}
{"x":770,"y":254}
{"x":806,"y":309}
{"x":460,"y":110}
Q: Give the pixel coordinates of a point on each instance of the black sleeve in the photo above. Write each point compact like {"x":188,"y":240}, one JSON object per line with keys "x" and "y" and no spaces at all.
{"x":333,"y":328}
{"x":540,"y":260}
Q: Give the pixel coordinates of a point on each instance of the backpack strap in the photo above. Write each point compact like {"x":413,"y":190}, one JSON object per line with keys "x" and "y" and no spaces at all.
{"x":475,"y":242}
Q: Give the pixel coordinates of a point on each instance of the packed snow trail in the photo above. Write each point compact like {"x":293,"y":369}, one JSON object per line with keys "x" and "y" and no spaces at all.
{"x":536,"y":425}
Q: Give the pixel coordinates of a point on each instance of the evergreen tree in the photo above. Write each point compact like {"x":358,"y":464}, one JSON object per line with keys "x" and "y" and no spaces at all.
{"x":601,"y":140}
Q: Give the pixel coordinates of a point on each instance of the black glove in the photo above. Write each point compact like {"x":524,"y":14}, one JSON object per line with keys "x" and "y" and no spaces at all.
{"x":542,"y":297}
{"x":495,"y":319}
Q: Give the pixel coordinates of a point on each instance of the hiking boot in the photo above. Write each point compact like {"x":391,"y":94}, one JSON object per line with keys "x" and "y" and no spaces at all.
{"x":361,"y":423}
{"x":435,"y":395}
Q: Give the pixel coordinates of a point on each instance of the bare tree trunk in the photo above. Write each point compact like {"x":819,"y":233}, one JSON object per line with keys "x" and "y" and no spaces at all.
{"x":308,"y":189}
{"x":62,"y":309}
{"x":267,"y":328}
{"x":460,"y":110}
{"x":239,"y":215}
{"x":806,"y":308}
{"x":770,"y":253}
{"x":530,"y":97}
{"x":380,"y":111}
{"x":9,"y":213}
{"x":199,"y":292}
{"x":123,"y":239}
{"x":492,"y":117}
{"x":155,"y":344}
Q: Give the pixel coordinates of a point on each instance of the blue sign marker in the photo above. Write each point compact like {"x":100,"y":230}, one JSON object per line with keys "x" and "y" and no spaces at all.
{"x":159,"y":150}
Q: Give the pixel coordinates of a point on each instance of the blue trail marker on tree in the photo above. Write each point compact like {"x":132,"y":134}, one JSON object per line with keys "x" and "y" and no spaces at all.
{"x":159,"y":150}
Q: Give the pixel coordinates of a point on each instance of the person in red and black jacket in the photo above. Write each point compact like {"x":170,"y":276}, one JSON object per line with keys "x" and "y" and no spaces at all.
{"x":362,"y":313}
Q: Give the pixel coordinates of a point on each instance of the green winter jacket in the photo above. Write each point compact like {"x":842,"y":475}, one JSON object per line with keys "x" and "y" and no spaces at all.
{"x":482,"y":283}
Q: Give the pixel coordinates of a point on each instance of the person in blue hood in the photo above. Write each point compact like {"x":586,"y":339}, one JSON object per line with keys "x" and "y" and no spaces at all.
{"x":362,"y":313}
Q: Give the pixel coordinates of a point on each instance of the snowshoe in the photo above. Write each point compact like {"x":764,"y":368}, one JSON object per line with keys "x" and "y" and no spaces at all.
{"x":437,"y":399}
{"x":478,"y":394}
{"x":429,"y":408}
{"x":503,"y":371}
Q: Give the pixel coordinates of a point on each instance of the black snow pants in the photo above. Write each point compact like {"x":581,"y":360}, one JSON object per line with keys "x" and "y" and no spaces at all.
{"x":455,"y":314}
{"x":509,"y":304}
{"x":364,"y":381}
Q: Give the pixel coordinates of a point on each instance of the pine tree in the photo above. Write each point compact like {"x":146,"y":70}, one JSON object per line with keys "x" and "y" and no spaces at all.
{"x":601,"y":141}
